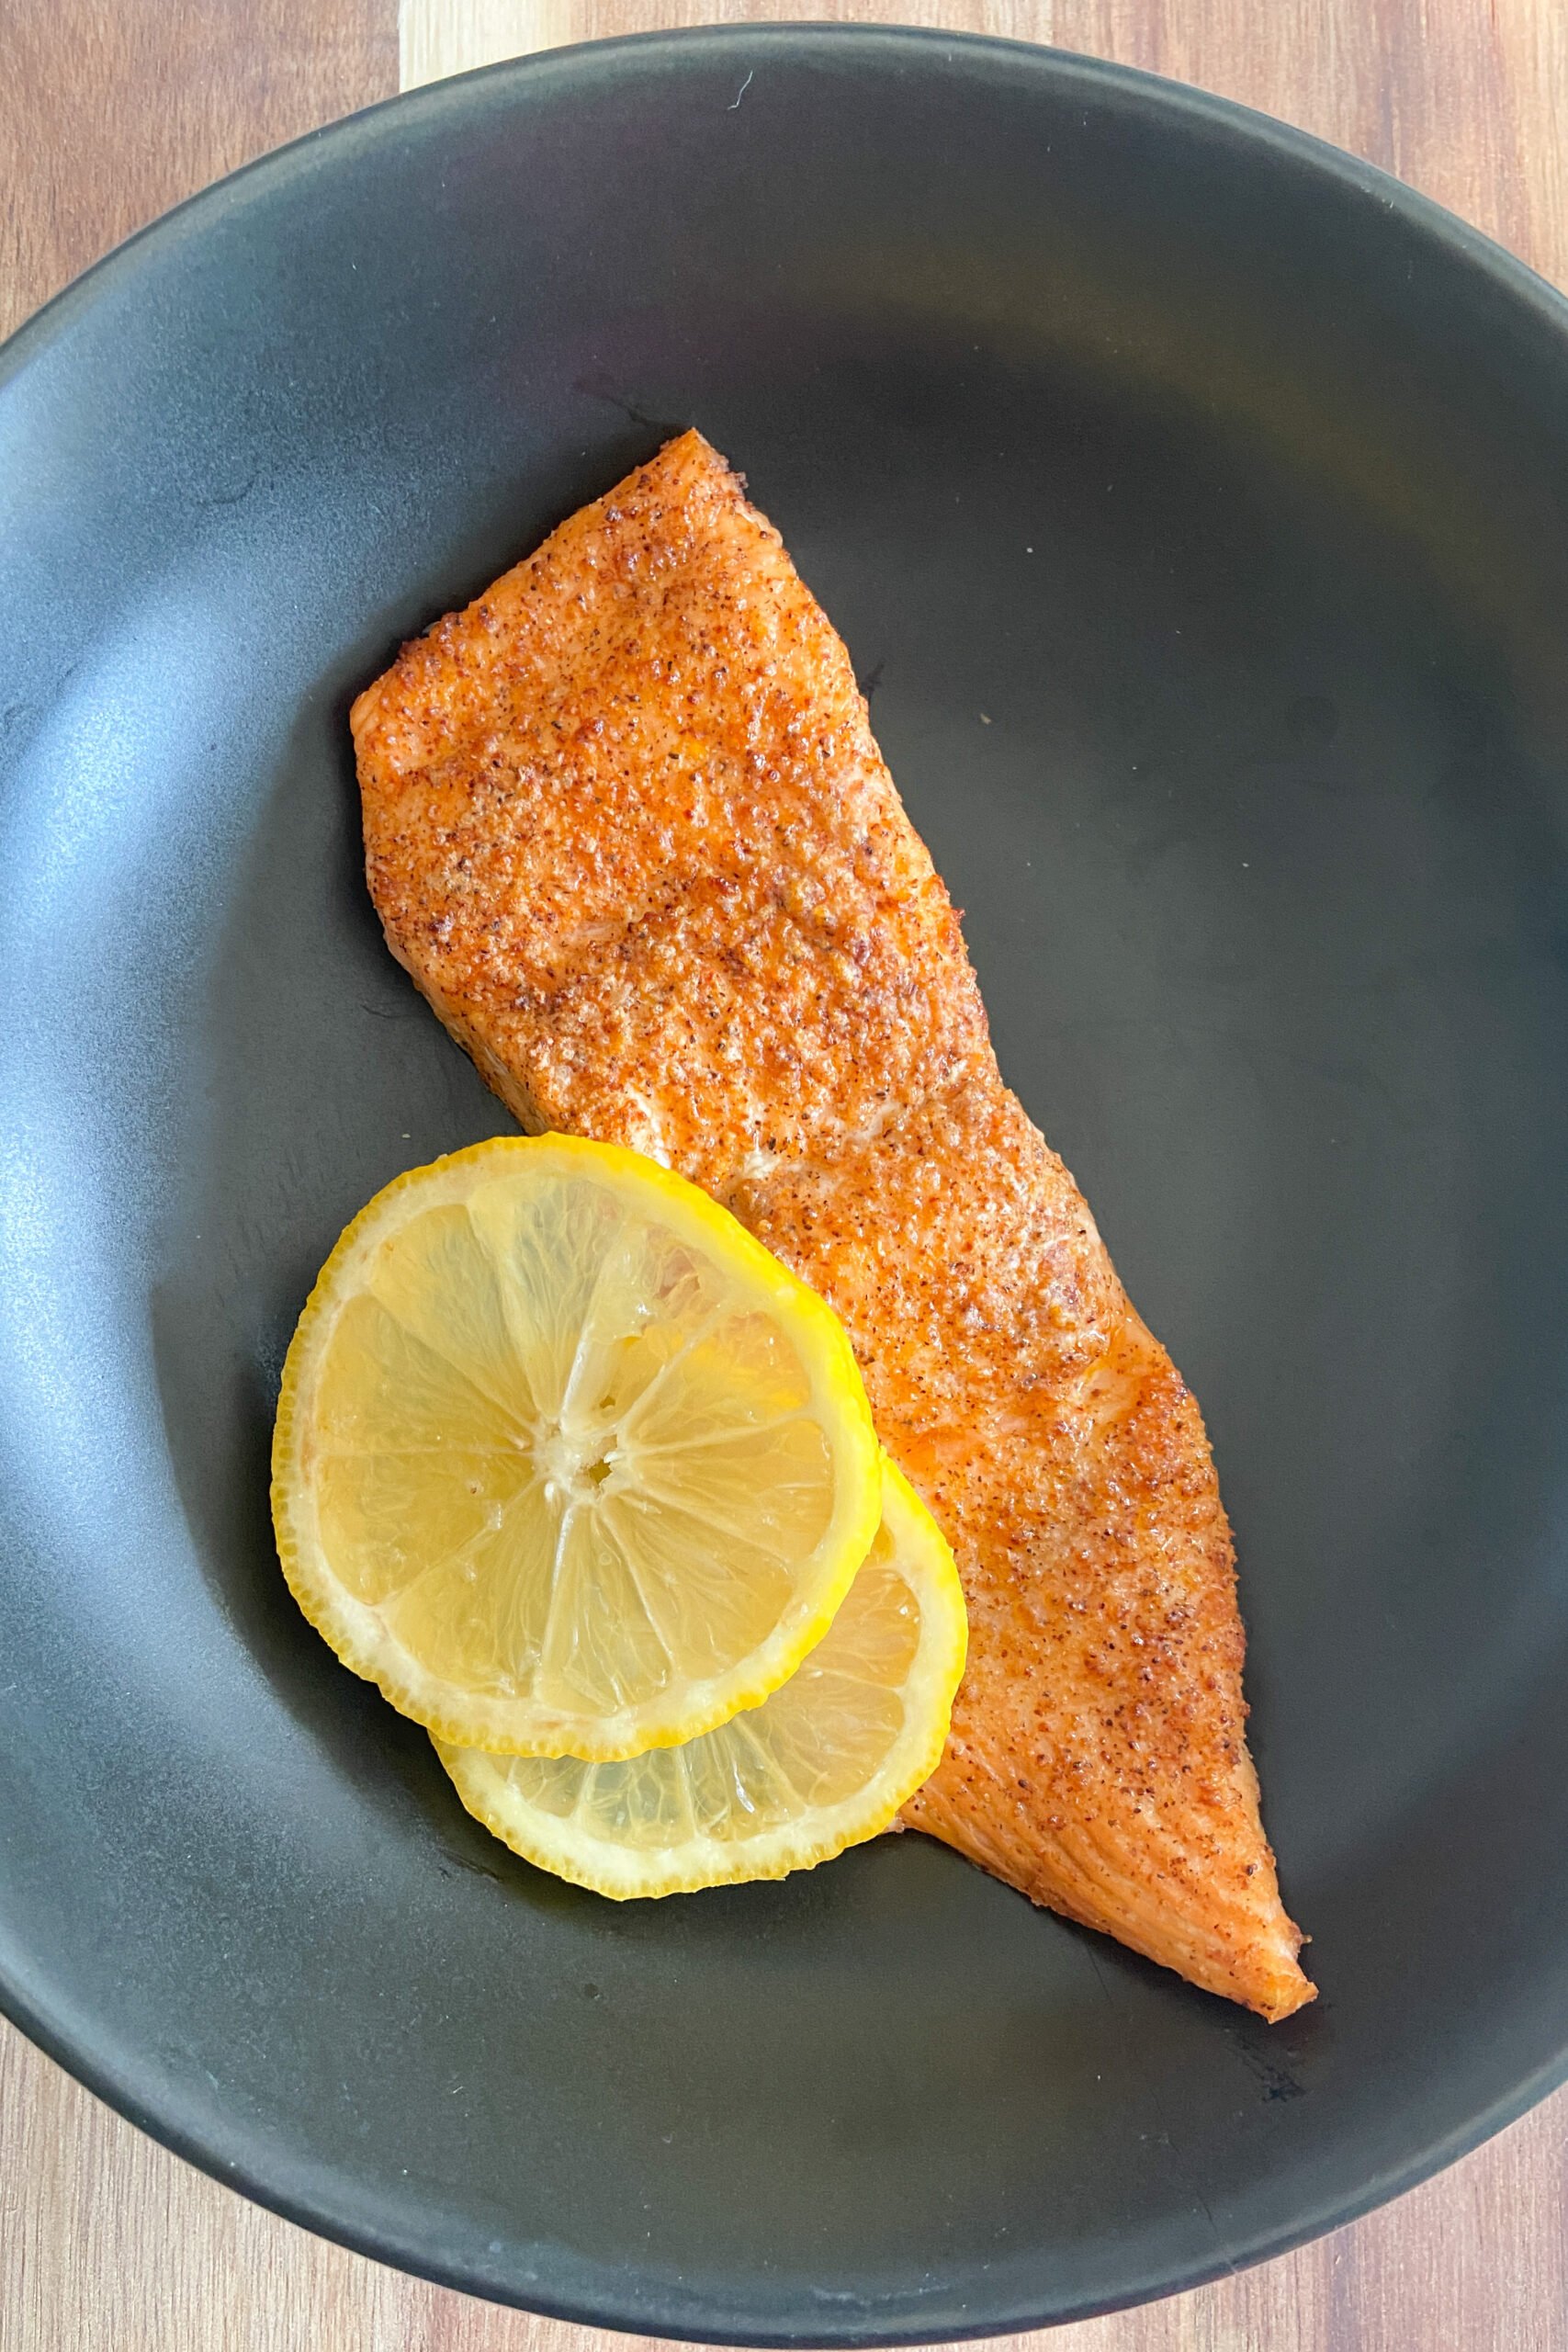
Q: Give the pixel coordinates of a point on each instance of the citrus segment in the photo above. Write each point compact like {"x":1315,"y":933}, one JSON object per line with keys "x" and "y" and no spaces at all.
{"x":823,"y":1763}
{"x":565,"y":1459}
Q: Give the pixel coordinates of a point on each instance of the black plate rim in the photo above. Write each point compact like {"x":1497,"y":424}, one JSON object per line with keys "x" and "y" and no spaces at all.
{"x":650,"y":2318}
{"x":650,"y":2310}
{"x":1184,"y":98}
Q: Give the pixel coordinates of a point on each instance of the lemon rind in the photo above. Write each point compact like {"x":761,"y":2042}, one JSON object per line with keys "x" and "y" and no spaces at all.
{"x":355,"y":1632}
{"x":627,"y":1875}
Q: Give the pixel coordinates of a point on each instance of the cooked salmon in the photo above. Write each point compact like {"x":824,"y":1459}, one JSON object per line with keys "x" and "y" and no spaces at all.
{"x":627,"y":827}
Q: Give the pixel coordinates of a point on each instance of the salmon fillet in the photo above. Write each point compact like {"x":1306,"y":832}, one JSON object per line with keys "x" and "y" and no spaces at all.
{"x":626,"y":826}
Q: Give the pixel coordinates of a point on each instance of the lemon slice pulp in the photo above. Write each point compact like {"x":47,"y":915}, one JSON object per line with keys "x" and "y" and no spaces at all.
{"x":823,"y":1763}
{"x":565,"y":1460}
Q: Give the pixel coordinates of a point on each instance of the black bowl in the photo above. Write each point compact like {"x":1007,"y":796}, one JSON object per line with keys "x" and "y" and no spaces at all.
{"x":1195,"y":503}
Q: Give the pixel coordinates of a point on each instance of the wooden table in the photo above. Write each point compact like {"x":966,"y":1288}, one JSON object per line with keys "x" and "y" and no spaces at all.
{"x":111,"y":110}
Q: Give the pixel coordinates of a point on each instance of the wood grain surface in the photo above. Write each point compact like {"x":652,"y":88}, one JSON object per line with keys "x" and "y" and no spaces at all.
{"x":110,"y":110}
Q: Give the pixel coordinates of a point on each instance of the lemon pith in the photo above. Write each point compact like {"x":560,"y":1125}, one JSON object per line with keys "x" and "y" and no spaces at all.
{"x":824,"y":1763}
{"x":565,"y":1460}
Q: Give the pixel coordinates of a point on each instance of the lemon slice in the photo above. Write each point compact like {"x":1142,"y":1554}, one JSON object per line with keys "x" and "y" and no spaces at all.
{"x":825,"y":1762}
{"x":565,"y":1460}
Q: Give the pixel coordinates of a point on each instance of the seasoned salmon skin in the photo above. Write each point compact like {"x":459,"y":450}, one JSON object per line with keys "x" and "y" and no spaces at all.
{"x":627,"y":827}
